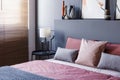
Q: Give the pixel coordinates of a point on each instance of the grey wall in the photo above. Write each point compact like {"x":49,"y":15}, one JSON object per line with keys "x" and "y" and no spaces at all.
{"x":50,"y":10}
{"x":45,"y":17}
{"x":45,"y":13}
{"x":107,"y":30}
{"x":89,"y":29}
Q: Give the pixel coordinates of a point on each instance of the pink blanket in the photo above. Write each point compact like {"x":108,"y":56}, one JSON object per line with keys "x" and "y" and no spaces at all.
{"x":61,"y":72}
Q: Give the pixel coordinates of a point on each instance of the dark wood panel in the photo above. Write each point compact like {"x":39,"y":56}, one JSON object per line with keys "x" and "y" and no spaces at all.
{"x":11,"y":60}
{"x":13,"y":47}
{"x":14,"y":52}
{"x":14,"y":33}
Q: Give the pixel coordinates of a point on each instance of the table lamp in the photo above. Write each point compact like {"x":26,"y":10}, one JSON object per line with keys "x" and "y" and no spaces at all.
{"x":44,"y":34}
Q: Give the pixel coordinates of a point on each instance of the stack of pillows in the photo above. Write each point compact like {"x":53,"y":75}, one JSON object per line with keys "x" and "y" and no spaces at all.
{"x":91,"y":53}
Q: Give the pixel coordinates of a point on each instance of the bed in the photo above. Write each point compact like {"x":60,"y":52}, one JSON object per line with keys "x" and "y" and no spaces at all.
{"x":61,"y":68}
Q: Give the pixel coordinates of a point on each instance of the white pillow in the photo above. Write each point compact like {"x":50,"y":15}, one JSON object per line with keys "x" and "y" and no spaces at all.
{"x":90,"y":52}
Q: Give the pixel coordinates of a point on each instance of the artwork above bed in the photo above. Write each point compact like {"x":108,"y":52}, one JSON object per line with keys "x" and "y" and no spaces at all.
{"x":118,"y":9}
{"x":93,"y":9}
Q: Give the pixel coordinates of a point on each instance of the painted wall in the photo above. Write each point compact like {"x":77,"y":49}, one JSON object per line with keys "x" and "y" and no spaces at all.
{"x":45,"y":13}
{"x":31,"y":27}
{"x":106,"y":30}
{"x":49,"y":10}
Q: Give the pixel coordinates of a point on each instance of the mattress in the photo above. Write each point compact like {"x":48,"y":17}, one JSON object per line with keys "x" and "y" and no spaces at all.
{"x":103,"y":71}
{"x":60,"y":70}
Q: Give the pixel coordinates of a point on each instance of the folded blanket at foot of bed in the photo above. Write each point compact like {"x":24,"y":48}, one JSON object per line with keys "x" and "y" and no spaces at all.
{"x":9,"y":73}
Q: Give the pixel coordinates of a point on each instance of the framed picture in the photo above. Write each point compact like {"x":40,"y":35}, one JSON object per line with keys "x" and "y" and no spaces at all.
{"x":118,"y":9}
{"x":93,"y":9}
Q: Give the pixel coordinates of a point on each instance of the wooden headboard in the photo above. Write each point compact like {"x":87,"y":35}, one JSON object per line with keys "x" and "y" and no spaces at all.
{"x":108,"y":30}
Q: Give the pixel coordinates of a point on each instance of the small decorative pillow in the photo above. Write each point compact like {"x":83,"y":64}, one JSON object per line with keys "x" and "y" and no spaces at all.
{"x":90,"y":52}
{"x":113,"y":49}
{"x":73,"y":43}
{"x":109,"y":61}
{"x":64,"y":54}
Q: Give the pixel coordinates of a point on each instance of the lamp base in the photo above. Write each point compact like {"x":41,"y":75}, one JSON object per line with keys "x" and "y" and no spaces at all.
{"x":45,"y":46}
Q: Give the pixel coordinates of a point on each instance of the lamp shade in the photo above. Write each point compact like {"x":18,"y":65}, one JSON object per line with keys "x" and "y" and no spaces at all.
{"x":45,"y":32}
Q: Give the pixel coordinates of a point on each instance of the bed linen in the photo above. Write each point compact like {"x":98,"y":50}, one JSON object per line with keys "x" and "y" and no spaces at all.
{"x":10,"y":73}
{"x":60,"y":70}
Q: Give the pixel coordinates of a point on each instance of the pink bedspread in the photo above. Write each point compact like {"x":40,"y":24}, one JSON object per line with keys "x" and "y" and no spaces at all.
{"x":61,"y":72}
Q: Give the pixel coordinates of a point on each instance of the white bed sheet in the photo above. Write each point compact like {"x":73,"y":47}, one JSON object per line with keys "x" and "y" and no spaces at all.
{"x":108,"y":72}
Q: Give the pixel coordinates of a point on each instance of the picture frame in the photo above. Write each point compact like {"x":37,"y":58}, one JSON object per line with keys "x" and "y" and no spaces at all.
{"x":118,"y":10}
{"x":93,"y":9}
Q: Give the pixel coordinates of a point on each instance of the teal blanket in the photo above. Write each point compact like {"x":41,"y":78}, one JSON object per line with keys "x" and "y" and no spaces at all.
{"x":10,"y":73}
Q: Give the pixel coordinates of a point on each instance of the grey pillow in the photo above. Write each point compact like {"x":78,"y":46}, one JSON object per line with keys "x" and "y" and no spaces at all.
{"x":64,"y":54}
{"x":109,"y":61}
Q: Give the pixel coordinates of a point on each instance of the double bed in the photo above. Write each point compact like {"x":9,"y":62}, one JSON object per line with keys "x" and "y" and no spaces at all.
{"x":57,"y":69}
{"x":60,"y":69}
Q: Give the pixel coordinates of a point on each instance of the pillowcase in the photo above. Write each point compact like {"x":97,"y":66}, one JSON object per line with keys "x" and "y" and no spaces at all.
{"x":90,"y":52}
{"x":73,"y":43}
{"x":109,"y":61}
{"x":68,"y":55}
{"x":113,"y":49}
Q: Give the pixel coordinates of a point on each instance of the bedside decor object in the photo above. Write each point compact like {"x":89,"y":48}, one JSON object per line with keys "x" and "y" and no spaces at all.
{"x":63,"y":9}
{"x":107,"y":15}
{"x":44,"y":34}
{"x":66,"y":13}
{"x":93,"y":9}
{"x":118,"y":9}
{"x":107,"y":10}
{"x":71,"y":12}
{"x":46,"y":37}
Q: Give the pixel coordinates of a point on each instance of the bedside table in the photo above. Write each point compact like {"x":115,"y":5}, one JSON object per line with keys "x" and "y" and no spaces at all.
{"x":42,"y":53}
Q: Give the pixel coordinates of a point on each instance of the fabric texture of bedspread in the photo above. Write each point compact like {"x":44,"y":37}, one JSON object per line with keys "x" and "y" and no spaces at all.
{"x":10,"y":73}
{"x":62,"y":72}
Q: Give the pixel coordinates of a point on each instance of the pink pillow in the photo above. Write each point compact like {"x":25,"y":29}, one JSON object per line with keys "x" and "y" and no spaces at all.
{"x":73,"y":43}
{"x":90,"y":52}
{"x":113,"y":49}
